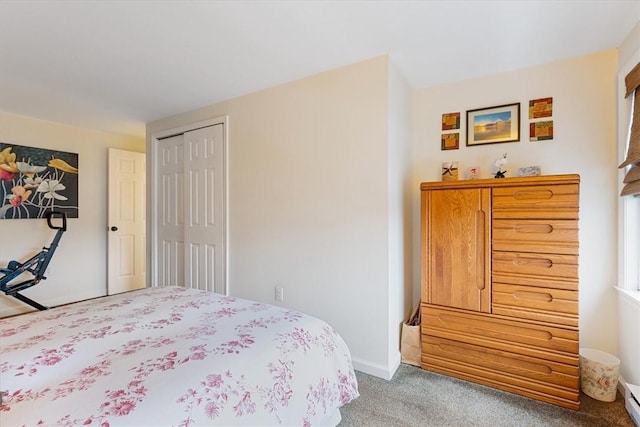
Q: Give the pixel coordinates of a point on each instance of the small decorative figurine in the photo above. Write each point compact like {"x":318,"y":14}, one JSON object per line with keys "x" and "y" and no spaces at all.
{"x":500,"y":162}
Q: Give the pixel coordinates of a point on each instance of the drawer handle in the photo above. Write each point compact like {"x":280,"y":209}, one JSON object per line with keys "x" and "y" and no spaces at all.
{"x":533,"y":228}
{"x":535,"y":262}
{"x":533,"y":194}
{"x":472,"y":325}
{"x":480,"y":356}
{"x":480,"y":223}
{"x":533,"y":296}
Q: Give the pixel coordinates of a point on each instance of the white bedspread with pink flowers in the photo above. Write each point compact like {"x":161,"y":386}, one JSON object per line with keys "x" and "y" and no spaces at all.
{"x":171,"y":357}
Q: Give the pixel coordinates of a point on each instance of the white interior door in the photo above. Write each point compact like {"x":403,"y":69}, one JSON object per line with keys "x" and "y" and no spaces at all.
{"x":190,"y":212}
{"x":126,"y":221}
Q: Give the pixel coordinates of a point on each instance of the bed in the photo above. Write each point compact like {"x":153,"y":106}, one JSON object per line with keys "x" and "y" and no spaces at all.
{"x":172,"y":356}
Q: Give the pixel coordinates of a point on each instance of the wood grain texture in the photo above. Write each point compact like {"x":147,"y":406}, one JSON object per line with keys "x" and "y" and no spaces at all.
{"x":546,"y":375}
{"x":500,"y":284}
{"x":539,"y":201}
{"x":536,"y":235}
{"x":549,"y":305}
{"x":535,"y":339}
{"x":457,"y":249}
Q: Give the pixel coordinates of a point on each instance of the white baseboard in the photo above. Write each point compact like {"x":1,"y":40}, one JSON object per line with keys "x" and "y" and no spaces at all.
{"x":622,"y":385}
{"x":377,"y":370}
{"x":632,"y":406}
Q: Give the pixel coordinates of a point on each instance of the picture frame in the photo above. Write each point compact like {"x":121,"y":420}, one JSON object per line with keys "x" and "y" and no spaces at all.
{"x":541,"y":131}
{"x":450,"y":141}
{"x":473,"y":172}
{"x":540,"y":108}
{"x":35,"y":181}
{"x":449,"y":171}
{"x":493,"y":125}
{"x":451,"y":121}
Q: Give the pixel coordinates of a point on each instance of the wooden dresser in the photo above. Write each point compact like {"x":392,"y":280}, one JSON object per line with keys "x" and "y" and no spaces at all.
{"x":500,"y":284}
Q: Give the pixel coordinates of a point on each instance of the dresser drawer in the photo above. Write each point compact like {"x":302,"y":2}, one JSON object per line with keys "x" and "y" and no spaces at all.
{"x":485,"y":330}
{"x":534,"y":377}
{"x":536,"y":201}
{"x":532,"y":264}
{"x":534,"y":303}
{"x":566,"y":283}
{"x":538,"y":235}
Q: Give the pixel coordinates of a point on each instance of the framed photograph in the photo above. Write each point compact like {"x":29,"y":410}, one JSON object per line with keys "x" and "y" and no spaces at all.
{"x":493,"y":125}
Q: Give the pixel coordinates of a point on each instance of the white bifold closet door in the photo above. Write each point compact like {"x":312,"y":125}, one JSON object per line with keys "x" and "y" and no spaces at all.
{"x":190,"y":212}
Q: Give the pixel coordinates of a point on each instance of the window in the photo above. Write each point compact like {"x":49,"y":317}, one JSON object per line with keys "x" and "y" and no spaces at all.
{"x":630,"y":248}
{"x":630,"y":187}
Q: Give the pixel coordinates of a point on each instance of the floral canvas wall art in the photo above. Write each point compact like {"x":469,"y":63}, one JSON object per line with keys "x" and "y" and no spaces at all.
{"x":34,"y":181}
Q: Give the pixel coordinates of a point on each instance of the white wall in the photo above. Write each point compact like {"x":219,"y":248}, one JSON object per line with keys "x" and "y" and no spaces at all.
{"x":584,"y":116}
{"x":400,"y":195}
{"x":78,"y":268}
{"x":309,"y":201}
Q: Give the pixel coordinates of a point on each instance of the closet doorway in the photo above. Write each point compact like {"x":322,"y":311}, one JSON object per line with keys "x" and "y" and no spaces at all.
{"x":189,"y":208}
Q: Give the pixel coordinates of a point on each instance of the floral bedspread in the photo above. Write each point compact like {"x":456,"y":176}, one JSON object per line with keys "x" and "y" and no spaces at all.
{"x":171,"y":357}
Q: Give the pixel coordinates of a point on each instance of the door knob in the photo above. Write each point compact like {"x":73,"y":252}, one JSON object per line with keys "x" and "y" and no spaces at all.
{"x":114,"y":228}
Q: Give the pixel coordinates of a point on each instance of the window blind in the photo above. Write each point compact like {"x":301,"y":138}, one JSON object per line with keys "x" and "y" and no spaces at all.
{"x":632,"y":178}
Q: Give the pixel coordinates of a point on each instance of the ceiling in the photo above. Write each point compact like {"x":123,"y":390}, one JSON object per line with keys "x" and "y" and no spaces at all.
{"x":115,"y":65}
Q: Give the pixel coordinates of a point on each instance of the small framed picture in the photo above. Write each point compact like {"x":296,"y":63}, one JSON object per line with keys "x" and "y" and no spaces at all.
{"x":473,"y":172}
{"x":451,"y":121}
{"x":449,"y":171}
{"x":539,"y":108}
{"x":541,"y":131}
{"x":493,"y":125}
{"x":450,"y":141}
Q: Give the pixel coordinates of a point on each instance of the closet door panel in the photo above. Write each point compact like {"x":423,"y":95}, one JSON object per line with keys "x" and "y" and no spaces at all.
{"x":170,"y":211}
{"x":204,"y":232}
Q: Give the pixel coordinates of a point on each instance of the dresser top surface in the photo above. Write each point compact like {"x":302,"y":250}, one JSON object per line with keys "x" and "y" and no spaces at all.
{"x":503,"y":182}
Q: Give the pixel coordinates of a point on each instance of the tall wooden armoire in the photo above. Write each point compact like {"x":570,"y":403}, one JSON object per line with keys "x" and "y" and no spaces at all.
{"x":500,"y":284}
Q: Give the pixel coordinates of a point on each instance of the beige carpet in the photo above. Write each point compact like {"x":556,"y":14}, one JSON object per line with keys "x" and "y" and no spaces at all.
{"x":415,"y":397}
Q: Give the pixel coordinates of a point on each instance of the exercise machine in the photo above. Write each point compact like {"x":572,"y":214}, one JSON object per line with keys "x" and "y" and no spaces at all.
{"x":36,"y":265}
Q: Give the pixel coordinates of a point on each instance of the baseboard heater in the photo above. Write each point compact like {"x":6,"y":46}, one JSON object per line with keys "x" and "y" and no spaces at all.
{"x":633,"y":402}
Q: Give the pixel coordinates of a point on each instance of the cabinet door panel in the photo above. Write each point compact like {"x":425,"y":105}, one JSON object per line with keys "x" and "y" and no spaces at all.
{"x":457,"y":248}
